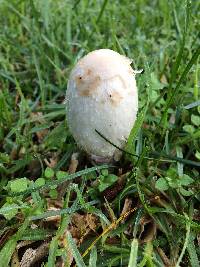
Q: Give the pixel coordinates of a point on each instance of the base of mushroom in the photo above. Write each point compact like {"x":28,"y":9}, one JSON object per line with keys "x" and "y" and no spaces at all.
{"x":97,"y":160}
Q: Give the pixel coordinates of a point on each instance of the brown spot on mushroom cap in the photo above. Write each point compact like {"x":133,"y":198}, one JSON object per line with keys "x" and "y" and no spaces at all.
{"x":78,"y":80}
{"x":86,"y":86}
{"x":89,"y":72}
{"x":115,"y":98}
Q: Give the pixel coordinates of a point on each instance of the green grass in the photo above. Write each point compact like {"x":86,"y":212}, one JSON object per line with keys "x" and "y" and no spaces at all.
{"x":40,"y":41}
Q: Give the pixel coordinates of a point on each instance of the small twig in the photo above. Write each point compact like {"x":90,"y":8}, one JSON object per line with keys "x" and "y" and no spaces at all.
{"x":108,"y":229}
{"x":114,"y":225}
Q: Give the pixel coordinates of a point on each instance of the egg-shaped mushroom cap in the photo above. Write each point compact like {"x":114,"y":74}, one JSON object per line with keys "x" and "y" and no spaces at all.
{"x":102,"y":96}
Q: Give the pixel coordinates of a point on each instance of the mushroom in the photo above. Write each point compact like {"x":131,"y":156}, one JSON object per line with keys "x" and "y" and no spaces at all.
{"x":102,"y":98}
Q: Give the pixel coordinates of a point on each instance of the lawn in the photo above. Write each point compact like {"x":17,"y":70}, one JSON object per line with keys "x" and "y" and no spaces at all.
{"x":56,"y":208}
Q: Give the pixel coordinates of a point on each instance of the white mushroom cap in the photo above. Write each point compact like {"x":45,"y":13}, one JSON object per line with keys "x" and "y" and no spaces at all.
{"x":102,"y":95}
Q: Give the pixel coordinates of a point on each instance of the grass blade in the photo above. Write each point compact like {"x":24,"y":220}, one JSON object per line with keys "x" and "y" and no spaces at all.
{"x":93,"y":257}
{"x":8,"y":249}
{"x":192,"y":253}
{"x":182,"y":78}
{"x":188,"y":226}
{"x":101,"y":11}
{"x":133,"y":254}
{"x":72,"y":246}
{"x":137,"y":126}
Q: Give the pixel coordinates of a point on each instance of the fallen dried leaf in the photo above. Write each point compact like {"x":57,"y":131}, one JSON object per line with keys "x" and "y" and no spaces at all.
{"x":31,"y":256}
{"x":151,"y":232}
{"x":51,"y":163}
{"x":145,"y":220}
{"x":24,"y":243}
{"x":15,"y":260}
{"x":82,"y":225}
{"x":126,"y":207}
{"x":163,"y":79}
{"x":41,"y":134}
{"x":73,"y":163}
{"x":55,"y":218}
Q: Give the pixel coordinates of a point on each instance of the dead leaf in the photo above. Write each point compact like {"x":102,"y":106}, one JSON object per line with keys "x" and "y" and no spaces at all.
{"x":111,"y":192}
{"x":54,"y":218}
{"x":126,"y":207}
{"x":15,"y":260}
{"x":163,"y":79}
{"x":14,"y":153}
{"x":82,"y":225}
{"x":16,"y":99}
{"x":54,"y":205}
{"x":28,"y":257}
{"x":145,"y":220}
{"x":41,"y":134}
{"x":38,"y":116}
{"x":51,"y":163}
{"x":73,"y":163}
{"x":24,"y":243}
{"x":151,"y":232}
{"x":31,"y":256}
{"x":39,"y":119}
{"x":91,"y":221}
